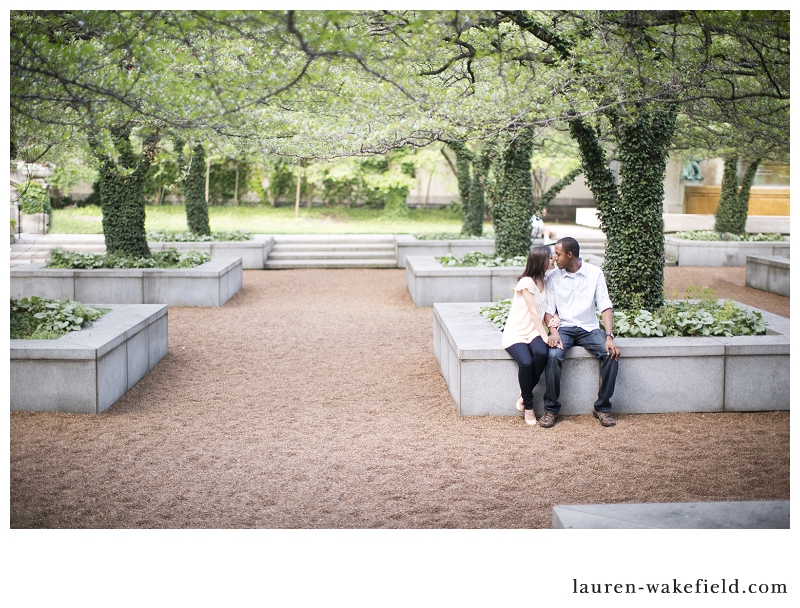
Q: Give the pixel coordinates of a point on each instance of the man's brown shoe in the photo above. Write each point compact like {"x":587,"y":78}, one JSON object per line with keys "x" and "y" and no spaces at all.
{"x":548,"y":420}
{"x":604,"y":418}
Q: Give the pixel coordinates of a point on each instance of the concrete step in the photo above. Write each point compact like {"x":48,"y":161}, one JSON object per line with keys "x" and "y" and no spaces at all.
{"x":272,"y":264}
{"x":280,"y":254}
{"x":365,"y":247}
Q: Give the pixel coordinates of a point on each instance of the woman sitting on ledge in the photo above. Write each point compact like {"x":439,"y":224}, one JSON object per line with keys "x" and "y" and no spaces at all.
{"x":524,"y":334}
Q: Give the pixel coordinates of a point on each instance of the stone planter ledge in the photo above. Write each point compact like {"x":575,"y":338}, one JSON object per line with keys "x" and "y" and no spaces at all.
{"x":656,"y":375}
{"x":210,"y":284}
{"x":86,"y":371}
{"x":720,"y":253}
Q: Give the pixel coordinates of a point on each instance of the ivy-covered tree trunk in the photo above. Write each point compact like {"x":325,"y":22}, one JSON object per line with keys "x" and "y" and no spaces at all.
{"x":463,"y":171}
{"x":194,"y":193}
{"x":512,"y":207}
{"x":122,"y":194}
{"x":475,"y":206}
{"x":631,"y":215}
{"x":731,"y":214}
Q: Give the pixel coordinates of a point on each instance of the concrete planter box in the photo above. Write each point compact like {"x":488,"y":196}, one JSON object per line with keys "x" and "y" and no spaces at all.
{"x":406,"y":245}
{"x":85,"y":372}
{"x":428,"y":282}
{"x":679,"y":222}
{"x":210,"y":284}
{"x":253,"y":252}
{"x":768,"y":273}
{"x":720,"y":253}
{"x":656,"y":375}
{"x":35,"y":223}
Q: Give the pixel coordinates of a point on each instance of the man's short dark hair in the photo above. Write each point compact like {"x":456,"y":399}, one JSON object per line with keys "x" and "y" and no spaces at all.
{"x":570,"y":245}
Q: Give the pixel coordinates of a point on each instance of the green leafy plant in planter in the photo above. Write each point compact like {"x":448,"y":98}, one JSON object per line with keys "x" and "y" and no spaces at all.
{"x":34,"y":199}
{"x":191,"y":237}
{"x":476,"y":258}
{"x":171,"y":258}
{"x":712,"y":235}
{"x":38,"y":318}
{"x":700,"y":315}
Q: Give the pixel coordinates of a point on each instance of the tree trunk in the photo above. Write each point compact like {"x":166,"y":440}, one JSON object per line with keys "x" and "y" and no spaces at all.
{"x":475,"y":206}
{"x":194,"y":195}
{"x":512,"y":208}
{"x":731,"y":214}
{"x":122,"y":195}
{"x":464,"y":177}
{"x":631,"y":215}
{"x":208,"y":176}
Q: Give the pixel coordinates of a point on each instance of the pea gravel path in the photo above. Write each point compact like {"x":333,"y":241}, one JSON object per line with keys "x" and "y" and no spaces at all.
{"x":312,"y":400}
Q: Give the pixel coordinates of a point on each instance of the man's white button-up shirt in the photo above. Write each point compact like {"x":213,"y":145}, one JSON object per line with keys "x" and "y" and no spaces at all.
{"x":575,"y":295}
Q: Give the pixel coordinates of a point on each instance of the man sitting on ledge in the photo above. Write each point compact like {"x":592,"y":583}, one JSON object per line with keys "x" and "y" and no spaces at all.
{"x":573,"y":290}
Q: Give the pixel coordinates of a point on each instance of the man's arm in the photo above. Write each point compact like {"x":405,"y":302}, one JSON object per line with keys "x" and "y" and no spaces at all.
{"x":608,"y":323}
{"x":553,"y":340}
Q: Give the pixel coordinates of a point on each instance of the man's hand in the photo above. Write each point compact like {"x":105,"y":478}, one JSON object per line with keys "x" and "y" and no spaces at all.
{"x":554,"y":340}
{"x":612,"y":349}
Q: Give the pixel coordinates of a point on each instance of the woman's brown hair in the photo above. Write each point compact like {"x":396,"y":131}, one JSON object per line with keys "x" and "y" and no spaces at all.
{"x":536,"y":266}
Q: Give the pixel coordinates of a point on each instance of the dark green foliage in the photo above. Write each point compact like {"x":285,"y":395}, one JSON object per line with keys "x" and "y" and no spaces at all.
{"x":731,"y":214}
{"x":475,"y":207}
{"x":194,"y":192}
{"x":37,"y":318}
{"x":471,"y":173}
{"x":553,"y":190}
{"x":512,"y":206}
{"x":121,"y":197}
{"x":223,"y":185}
{"x":631,"y":214}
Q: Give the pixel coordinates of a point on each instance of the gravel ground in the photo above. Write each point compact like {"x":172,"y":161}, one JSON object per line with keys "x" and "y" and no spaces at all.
{"x":312,"y":400}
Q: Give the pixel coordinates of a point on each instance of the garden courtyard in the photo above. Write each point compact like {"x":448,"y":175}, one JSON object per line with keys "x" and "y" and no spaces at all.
{"x":312,"y":399}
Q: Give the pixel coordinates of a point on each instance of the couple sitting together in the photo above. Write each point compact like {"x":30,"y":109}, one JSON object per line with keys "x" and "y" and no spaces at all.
{"x":563,"y":299}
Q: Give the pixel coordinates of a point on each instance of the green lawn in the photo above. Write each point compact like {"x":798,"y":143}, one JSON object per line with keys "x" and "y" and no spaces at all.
{"x":273,"y":220}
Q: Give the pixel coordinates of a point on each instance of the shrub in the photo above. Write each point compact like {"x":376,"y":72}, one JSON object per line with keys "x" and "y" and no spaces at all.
{"x":34,"y":199}
{"x":170,"y":258}
{"x":37,"y":318}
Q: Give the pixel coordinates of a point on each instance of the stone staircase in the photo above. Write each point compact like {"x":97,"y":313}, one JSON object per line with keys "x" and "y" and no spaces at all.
{"x":34,"y":248}
{"x":332,"y":251}
{"x":288,"y":250}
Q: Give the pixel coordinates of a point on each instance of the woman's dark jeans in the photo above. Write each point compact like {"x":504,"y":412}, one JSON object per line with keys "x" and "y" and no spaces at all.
{"x":593,"y":341}
{"x":532,"y":359}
